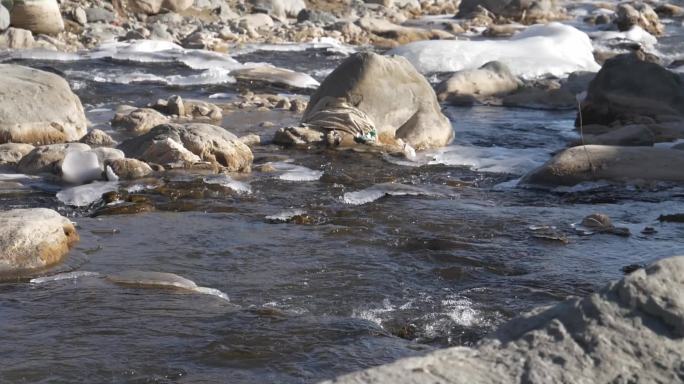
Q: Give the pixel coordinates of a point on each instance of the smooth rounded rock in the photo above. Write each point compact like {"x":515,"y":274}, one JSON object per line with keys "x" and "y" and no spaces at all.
{"x":33,"y":238}
{"x":603,"y":162}
{"x":129,"y":169}
{"x":38,"y":107}
{"x":38,"y":16}
{"x":628,"y":88}
{"x":386,"y":93}
{"x":182,"y":144}
{"x":492,"y":79}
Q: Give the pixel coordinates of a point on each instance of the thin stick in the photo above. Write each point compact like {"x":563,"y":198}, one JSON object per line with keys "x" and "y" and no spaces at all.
{"x":581,"y":127}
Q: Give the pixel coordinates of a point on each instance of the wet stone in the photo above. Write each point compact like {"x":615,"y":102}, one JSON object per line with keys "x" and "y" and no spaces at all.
{"x":672,"y":218}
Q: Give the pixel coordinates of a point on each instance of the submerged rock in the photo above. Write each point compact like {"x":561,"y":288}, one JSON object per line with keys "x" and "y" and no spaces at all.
{"x":372,"y":97}
{"x":146,"y":279}
{"x":600,"y":223}
{"x":33,"y":238}
{"x":633,"y":327}
{"x":186,"y":144}
{"x":38,"y":107}
{"x":602,"y":162}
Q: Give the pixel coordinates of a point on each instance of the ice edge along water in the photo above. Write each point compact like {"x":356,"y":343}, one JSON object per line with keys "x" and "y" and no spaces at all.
{"x":213,"y":67}
{"x":139,"y":278}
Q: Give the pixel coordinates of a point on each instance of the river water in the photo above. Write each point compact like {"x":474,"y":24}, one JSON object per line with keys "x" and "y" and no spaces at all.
{"x":351,"y":281}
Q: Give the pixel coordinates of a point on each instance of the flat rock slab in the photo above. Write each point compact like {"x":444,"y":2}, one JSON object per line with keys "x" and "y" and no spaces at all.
{"x":33,"y":238}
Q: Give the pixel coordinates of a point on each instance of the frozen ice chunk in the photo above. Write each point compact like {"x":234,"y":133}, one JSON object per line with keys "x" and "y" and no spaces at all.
{"x":80,"y":167}
{"x":84,"y":195}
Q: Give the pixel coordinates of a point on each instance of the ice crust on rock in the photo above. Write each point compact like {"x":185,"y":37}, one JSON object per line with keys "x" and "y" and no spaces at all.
{"x":552,"y":49}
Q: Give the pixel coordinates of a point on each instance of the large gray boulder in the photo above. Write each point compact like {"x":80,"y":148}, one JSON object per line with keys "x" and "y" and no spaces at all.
{"x":384,"y":94}
{"x":38,"y":16}
{"x":182,"y":145}
{"x":632,"y":331}
{"x":604,"y":162}
{"x":33,"y":238}
{"x":629,"y":90}
{"x":38,"y":107}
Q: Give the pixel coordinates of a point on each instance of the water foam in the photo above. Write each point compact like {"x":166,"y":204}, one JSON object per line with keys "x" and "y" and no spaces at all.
{"x":228,"y":182}
{"x":285,"y":215}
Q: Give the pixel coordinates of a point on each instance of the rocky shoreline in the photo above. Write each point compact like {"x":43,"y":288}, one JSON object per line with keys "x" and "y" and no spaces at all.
{"x":630,"y":331}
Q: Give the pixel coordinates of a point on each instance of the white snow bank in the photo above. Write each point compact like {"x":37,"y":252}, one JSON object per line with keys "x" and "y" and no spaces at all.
{"x":552,"y":49}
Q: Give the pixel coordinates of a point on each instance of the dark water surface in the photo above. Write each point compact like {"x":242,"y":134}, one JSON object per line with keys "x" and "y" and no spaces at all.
{"x":340,"y":288}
